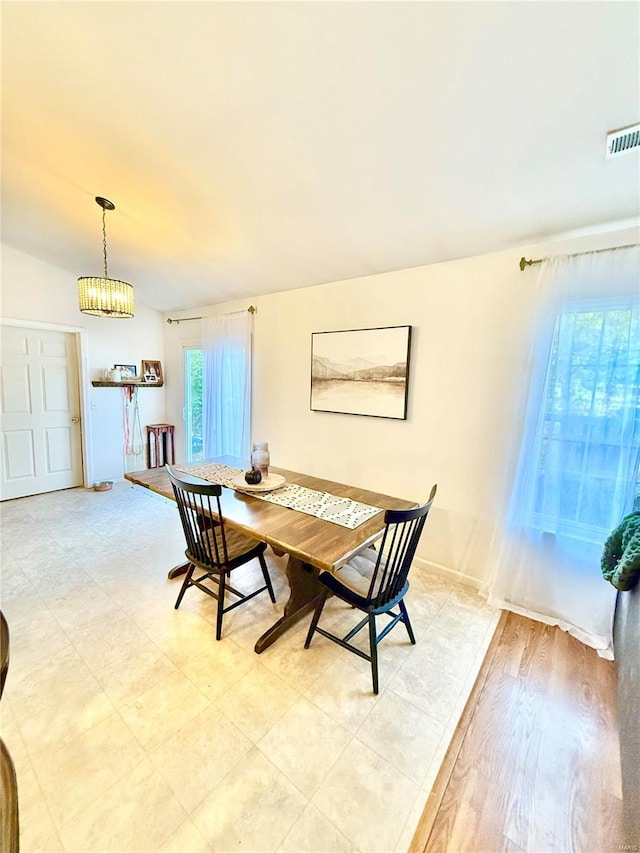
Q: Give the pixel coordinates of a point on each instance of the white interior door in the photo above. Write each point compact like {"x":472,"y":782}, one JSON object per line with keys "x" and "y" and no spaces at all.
{"x":41,"y":435}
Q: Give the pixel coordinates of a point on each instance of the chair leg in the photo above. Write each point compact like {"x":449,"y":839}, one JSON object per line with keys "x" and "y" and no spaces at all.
{"x":373,"y":651}
{"x":316,"y":618}
{"x":405,"y":619}
{"x":221,"y":587}
{"x":267,"y":578}
{"x":185,"y":584}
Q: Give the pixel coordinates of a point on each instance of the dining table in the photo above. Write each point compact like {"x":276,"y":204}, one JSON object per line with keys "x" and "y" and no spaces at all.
{"x":311,"y":544}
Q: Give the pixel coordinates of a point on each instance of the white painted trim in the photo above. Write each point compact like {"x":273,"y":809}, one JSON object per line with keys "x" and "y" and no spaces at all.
{"x":36,"y":324}
{"x":83,"y":378}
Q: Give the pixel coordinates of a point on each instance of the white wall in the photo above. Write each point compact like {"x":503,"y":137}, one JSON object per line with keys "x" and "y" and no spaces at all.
{"x":38,"y":292}
{"x":469,"y":317}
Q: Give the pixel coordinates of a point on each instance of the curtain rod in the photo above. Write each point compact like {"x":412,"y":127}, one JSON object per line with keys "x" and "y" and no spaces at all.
{"x":251,"y":309}
{"x":524,"y":262}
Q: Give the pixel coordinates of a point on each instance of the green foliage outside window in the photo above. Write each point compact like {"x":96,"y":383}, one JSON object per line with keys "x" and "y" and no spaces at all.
{"x":194,"y":405}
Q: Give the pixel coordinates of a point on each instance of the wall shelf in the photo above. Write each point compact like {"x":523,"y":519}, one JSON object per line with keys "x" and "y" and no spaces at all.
{"x":98,"y":383}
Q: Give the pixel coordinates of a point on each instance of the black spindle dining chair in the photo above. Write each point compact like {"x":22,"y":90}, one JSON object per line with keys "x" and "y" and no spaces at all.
{"x":213,"y":548}
{"x":375,"y":581}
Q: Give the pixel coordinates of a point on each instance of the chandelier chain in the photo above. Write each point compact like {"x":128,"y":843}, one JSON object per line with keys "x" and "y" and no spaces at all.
{"x":104,"y":241}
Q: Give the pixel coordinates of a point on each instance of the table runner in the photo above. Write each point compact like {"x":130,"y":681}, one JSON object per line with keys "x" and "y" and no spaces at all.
{"x":328,"y":507}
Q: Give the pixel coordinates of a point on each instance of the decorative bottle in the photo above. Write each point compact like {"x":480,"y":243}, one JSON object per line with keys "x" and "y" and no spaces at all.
{"x":260,"y":457}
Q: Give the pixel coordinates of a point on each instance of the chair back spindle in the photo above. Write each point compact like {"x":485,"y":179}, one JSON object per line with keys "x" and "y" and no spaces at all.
{"x":403,"y":529}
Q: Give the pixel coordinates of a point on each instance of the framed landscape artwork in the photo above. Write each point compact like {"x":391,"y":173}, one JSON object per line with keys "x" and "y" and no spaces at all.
{"x":361,"y":371}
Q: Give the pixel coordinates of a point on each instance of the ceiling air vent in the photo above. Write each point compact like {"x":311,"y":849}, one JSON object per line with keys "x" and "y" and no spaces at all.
{"x":623,"y":141}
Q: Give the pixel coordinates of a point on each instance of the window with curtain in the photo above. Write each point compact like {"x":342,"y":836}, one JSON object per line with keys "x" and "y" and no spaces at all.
{"x":226,"y":384}
{"x":589,"y":425}
{"x":577,"y":445}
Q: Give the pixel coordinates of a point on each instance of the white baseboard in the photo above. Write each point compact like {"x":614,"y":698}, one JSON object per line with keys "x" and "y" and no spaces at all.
{"x":458,"y":577}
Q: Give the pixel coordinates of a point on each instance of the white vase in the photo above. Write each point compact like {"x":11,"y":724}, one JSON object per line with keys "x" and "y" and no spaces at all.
{"x":260,"y":457}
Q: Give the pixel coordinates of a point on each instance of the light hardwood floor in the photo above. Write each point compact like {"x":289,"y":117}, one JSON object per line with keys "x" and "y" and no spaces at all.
{"x":534,"y":764}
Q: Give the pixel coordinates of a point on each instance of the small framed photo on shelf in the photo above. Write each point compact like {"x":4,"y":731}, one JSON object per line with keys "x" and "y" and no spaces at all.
{"x":127,"y":371}
{"x":152,"y":371}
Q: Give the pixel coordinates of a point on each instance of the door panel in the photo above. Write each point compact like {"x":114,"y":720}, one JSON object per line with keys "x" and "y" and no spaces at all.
{"x":53,"y":348}
{"x":40,"y":397}
{"x":16,"y":398}
{"x":59,"y":444}
{"x":19,"y":454}
{"x":55,"y":384}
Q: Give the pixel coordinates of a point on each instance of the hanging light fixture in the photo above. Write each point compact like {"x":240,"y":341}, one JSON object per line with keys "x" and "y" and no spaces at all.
{"x":105,"y":297}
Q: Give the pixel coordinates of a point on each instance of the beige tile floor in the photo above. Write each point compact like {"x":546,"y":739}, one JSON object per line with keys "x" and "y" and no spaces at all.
{"x":132,"y":729}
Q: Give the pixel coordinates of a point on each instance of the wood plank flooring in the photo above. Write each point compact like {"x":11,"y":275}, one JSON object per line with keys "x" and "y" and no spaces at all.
{"x":534,"y":763}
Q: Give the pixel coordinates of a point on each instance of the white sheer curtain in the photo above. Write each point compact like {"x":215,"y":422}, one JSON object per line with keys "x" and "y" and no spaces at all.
{"x":226,"y":384}
{"x":579,"y":447}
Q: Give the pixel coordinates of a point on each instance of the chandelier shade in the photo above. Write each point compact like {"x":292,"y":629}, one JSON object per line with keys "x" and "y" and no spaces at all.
{"x":100,"y":295}
{"x":105,"y":297}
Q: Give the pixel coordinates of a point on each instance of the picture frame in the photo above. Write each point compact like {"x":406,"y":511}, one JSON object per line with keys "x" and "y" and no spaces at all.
{"x":152,"y":371}
{"x":361,"y":371}
{"x":127,"y":371}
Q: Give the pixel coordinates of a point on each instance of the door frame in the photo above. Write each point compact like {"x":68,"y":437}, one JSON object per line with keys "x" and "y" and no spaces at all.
{"x":83,"y":381}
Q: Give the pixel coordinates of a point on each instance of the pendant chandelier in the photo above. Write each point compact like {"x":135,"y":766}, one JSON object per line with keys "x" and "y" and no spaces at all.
{"x":105,"y":297}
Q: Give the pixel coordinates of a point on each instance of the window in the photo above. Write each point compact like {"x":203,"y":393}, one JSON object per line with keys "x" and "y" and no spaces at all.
{"x":579,"y":446}
{"x":589,"y":426}
{"x":193,"y":403}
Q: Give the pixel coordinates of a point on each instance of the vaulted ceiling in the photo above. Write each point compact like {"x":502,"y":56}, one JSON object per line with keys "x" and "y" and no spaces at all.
{"x":257,"y":147}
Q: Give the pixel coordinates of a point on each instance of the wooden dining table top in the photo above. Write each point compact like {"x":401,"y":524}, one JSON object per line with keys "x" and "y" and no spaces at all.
{"x":321,"y":543}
